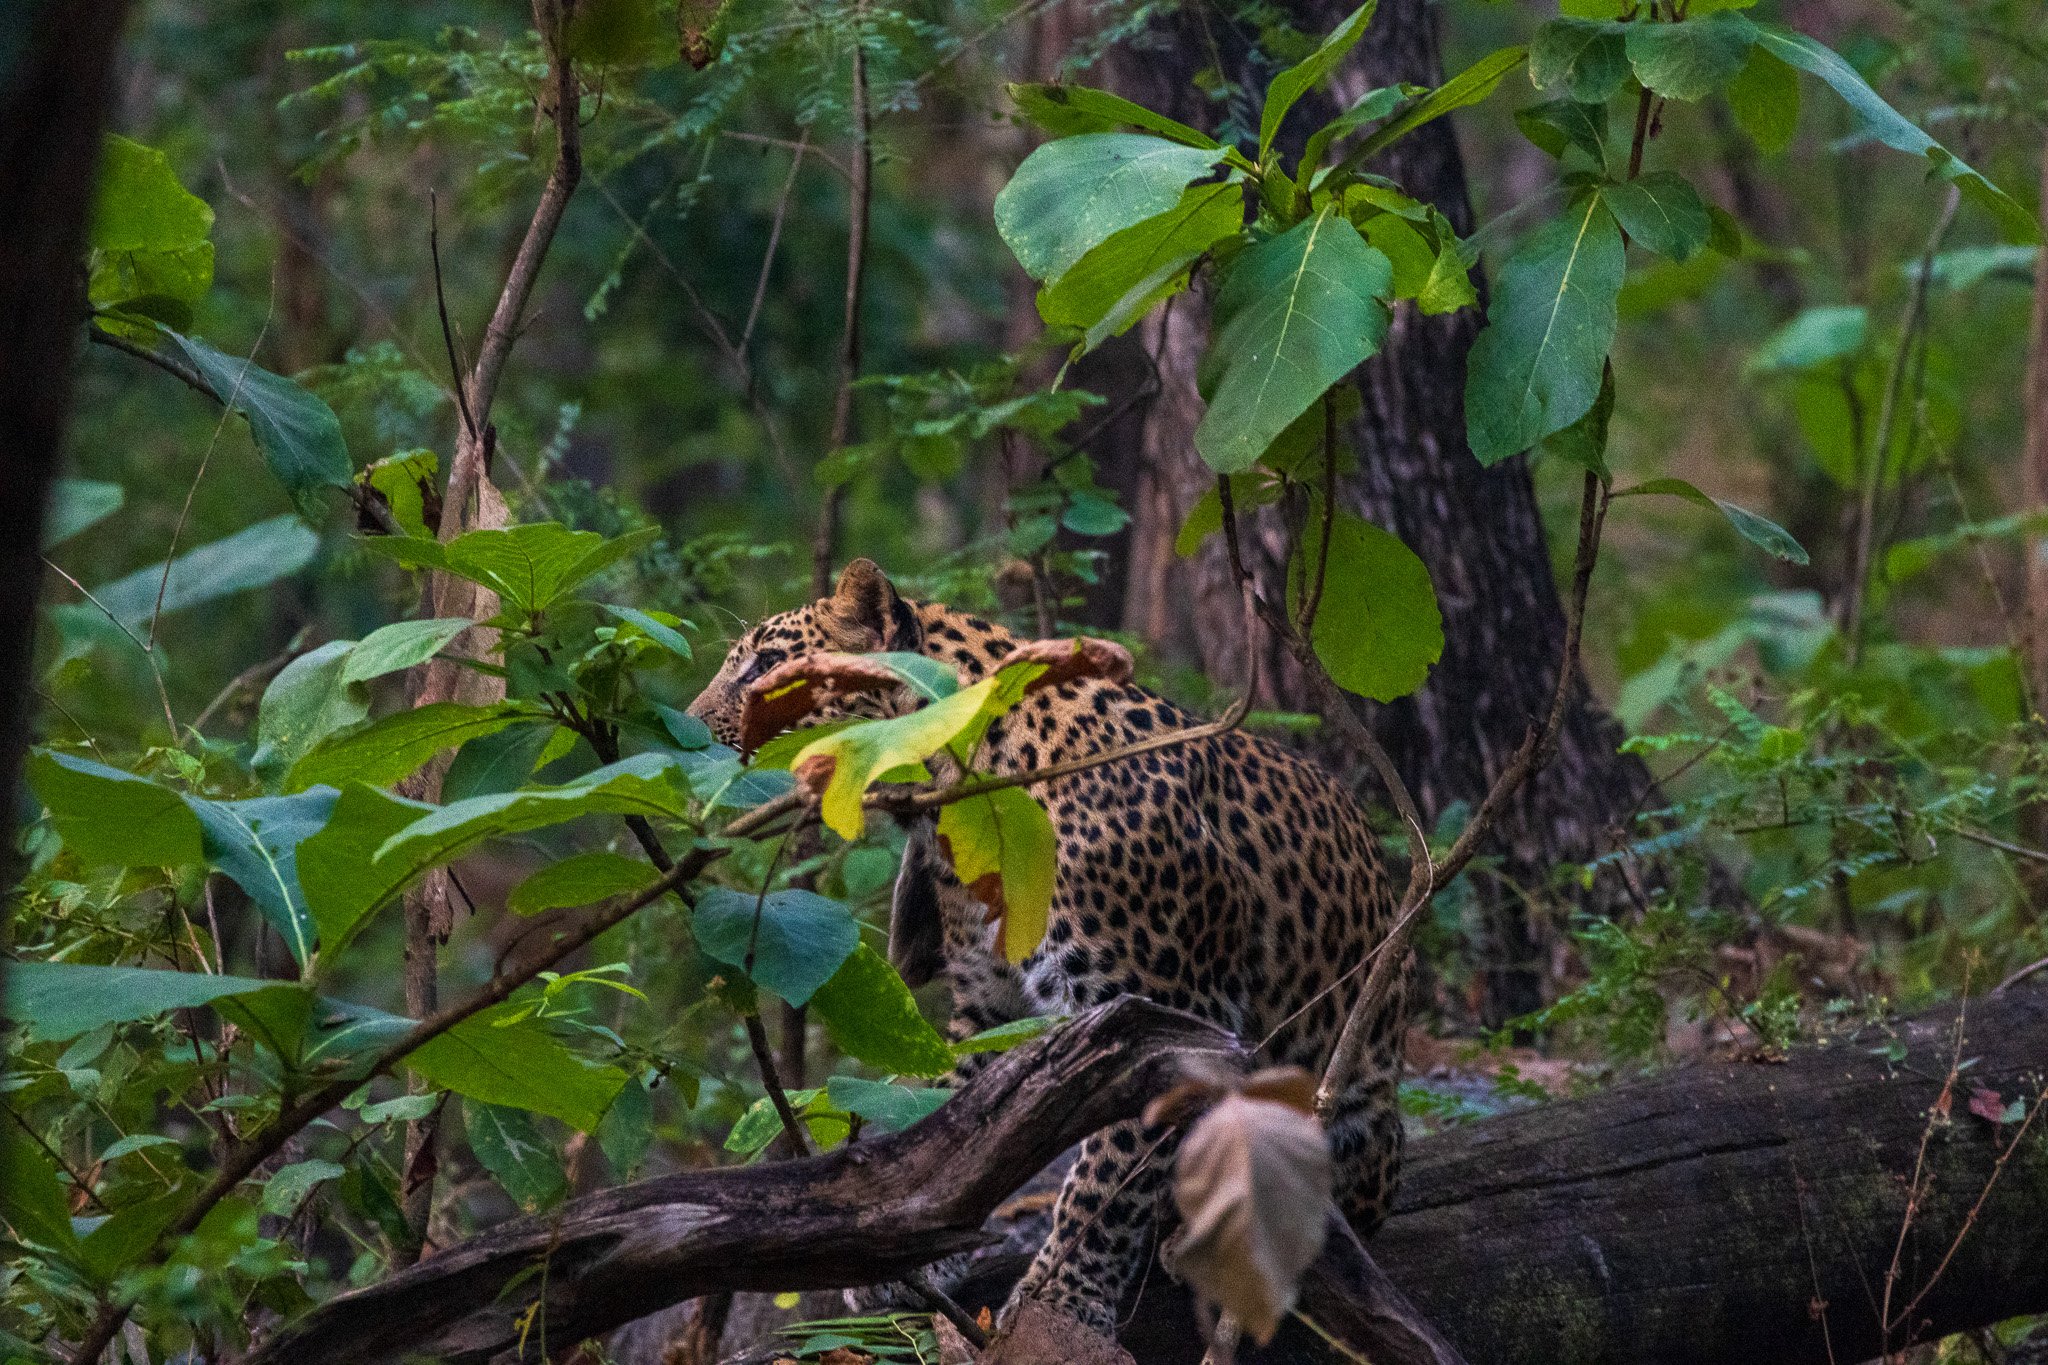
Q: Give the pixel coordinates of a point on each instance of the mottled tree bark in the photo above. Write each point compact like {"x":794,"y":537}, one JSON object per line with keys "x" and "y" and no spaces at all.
{"x":1478,"y":530}
{"x":56,"y":74}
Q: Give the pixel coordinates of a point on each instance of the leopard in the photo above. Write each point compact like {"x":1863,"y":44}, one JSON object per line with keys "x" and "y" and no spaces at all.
{"x":1226,"y":876}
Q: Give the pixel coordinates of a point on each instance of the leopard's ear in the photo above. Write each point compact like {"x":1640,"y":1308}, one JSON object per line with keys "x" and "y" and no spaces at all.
{"x":867,"y":598}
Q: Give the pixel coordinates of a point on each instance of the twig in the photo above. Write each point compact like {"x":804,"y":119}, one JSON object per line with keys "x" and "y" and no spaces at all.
{"x":1915,"y":1190}
{"x":771,"y":1077}
{"x":796,"y":163}
{"x":177,"y":369}
{"x":163,"y":693}
{"x":441,"y":304}
{"x":859,"y":201}
{"x":2021,"y":975}
{"x":249,"y":677}
{"x":940,"y":1302}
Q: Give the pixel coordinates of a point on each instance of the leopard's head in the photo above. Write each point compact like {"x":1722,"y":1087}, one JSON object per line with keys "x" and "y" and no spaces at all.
{"x":864,"y":615}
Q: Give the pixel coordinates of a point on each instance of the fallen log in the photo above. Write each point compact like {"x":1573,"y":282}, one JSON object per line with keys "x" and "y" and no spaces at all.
{"x":1722,"y":1211}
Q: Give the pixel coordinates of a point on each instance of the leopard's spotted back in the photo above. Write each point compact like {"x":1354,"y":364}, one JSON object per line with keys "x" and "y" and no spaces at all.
{"x":1226,"y":876}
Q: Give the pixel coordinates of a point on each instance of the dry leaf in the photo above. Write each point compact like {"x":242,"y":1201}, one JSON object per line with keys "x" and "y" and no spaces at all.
{"x":794,"y":688}
{"x":1987,"y":1105}
{"x":814,"y":774}
{"x":1067,"y":660}
{"x":1288,"y":1085}
{"x":1039,"y":1334}
{"x":1252,"y":1182}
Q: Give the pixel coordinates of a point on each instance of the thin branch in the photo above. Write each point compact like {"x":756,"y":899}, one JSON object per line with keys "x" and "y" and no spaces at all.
{"x":250,"y":677}
{"x":796,"y":163}
{"x":1313,"y":601}
{"x":771,"y":1077}
{"x":177,"y":369}
{"x":860,"y":197}
{"x":441,"y":303}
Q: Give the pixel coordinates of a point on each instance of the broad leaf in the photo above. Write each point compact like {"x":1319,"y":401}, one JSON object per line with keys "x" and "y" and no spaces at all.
{"x":1295,"y":314}
{"x":33,"y":1203}
{"x":299,"y":435}
{"x":1816,"y":336}
{"x":1005,"y":852}
{"x":250,"y":558}
{"x":76,"y":504}
{"x":288,"y":1187}
{"x":1662,"y":211}
{"x":531,"y":567}
{"x":1377,"y":627}
{"x":395,"y":746}
{"x":1537,"y":367}
{"x":54,"y":1001}
{"x":338,"y":869}
{"x":1003,"y":1037}
{"x":1071,"y":194}
{"x":584,"y":879}
{"x":1764,"y":97}
{"x":308,"y":701}
{"x":889,"y":1107}
{"x":797,"y":939}
{"x":1587,"y":57}
{"x":511,"y":1148}
{"x":1065,"y":110}
{"x":872,"y":1018}
{"x":150,"y":250}
{"x":1122,"y":277}
{"x":256,"y":843}
{"x":498,"y":1057}
{"x":661,"y":632}
{"x":1311,"y":71}
{"x":1759,"y":531}
{"x":108,"y":817}
{"x":400,"y":645}
{"x":1370,"y":107}
{"x":1693,"y":59}
{"x":1468,"y":87}
{"x":1563,"y":124}
{"x":1884,"y":123}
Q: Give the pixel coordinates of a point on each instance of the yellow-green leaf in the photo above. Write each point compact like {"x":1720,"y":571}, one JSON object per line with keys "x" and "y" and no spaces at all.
{"x":1004,"y":850}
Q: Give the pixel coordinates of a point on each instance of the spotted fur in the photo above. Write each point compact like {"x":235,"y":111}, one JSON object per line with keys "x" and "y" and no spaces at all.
{"x":1226,"y":876}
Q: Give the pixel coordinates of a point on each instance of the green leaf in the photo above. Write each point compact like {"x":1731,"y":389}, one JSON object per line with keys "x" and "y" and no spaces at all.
{"x":1662,"y":211}
{"x":1377,"y":628}
{"x":309,"y":700}
{"x":1815,"y":337}
{"x":761,"y":1125}
{"x":1588,"y":57}
{"x":873,"y":1018}
{"x":1690,"y":60}
{"x":645,"y":784}
{"x":511,"y":1148}
{"x":299,"y":435}
{"x":1122,"y":277}
{"x":256,"y":843}
{"x":1468,"y":87}
{"x":502,"y":1058}
{"x":628,"y":1127}
{"x":288,"y":1186}
{"x":1003,"y":1037}
{"x":801,"y":940}
{"x":1764,"y":97}
{"x":76,"y":504}
{"x":1311,"y":71}
{"x":1065,"y":110}
{"x":1759,"y":531}
{"x":661,"y":632}
{"x":1563,"y":124}
{"x":1071,"y":194}
{"x":584,"y":879}
{"x":1003,"y":849}
{"x":33,"y":1204}
{"x":400,"y":645}
{"x":1911,"y":558}
{"x":505,"y":760}
{"x":927,"y":677}
{"x":887,"y":1106}
{"x":54,"y":1001}
{"x":1370,"y":107}
{"x":1584,"y":442}
{"x":531,"y":567}
{"x":338,"y":869}
{"x":129,"y":1235}
{"x":112,"y":818}
{"x":150,"y":250}
{"x":1406,"y":250}
{"x":1205,"y":518}
{"x":1884,"y":123}
{"x":1294,"y":315}
{"x":395,"y":746}
{"x":1089,"y":515}
{"x":1537,"y":367}
{"x":253,"y":557}
{"x":405,"y":481}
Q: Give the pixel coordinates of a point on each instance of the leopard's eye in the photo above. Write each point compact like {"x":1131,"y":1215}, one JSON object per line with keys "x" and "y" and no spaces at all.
{"x":763,"y":660}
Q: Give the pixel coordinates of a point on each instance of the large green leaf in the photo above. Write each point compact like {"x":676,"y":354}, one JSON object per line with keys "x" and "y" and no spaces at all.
{"x":1536,"y":368}
{"x":1004,"y":850}
{"x":873,"y":1018}
{"x":798,"y":939}
{"x":311,"y":699}
{"x":253,"y":557}
{"x":1764,"y":97}
{"x":1816,"y":336}
{"x":339,"y":873}
{"x":645,"y":784}
{"x":113,"y":818}
{"x":1075,"y":192}
{"x":1311,"y":71}
{"x":1066,"y":110}
{"x":1662,"y":211}
{"x":150,"y":249}
{"x":512,"y":1149}
{"x":33,"y":1204}
{"x":76,"y":504}
{"x":1693,"y":59}
{"x":1587,"y":57}
{"x":1295,"y":314}
{"x":584,"y":879}
{"x":394,"y":746}
{"x":889,"y":1107}
{"x":400,"y":645}
{"x":531,"y":567}
{"x":500,"y":1057}
{"x":54,"y":1001}
{"x":1377,"y":627}
{"x":1761,"y":532}
{"x":299,"y":435}
{"x":1122,"y":277}
{"x":1884,"y":123}
{"x":256,"y":843}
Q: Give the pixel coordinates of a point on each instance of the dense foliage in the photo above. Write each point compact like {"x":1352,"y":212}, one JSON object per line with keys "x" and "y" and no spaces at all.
{"x":1720,"y":258}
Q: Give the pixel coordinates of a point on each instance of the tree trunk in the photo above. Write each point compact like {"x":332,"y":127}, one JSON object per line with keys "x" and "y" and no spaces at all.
{"x":56,"y":75}
{"x":1477,"y":529}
